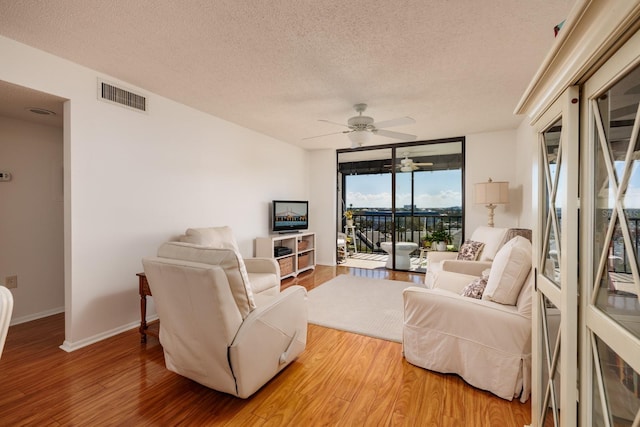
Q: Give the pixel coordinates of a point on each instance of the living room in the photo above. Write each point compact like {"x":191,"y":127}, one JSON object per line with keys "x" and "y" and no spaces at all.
{"x":133,"y":180}
{"x":121,"y":182}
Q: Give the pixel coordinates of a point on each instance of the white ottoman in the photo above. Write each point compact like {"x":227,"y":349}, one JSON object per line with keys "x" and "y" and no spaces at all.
{"x":403,"y":249}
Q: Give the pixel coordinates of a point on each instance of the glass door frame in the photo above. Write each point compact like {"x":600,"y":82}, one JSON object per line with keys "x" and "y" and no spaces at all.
{"x":395,"y":158}
{"x":562,"y":296}
{"x":594,"y":322}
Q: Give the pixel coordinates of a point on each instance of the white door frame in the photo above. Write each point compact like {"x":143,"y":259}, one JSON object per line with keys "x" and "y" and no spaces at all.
{"x":594,"y":321}
{"x":563,"y":295}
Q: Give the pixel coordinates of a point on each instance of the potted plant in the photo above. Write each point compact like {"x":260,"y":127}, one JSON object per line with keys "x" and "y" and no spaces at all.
{"x":426,"y":240}
{"x":442,"y":237}
{"x":348,"y":214}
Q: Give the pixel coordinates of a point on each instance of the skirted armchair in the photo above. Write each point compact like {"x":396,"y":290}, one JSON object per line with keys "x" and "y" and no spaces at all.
{"x":478,"y":324}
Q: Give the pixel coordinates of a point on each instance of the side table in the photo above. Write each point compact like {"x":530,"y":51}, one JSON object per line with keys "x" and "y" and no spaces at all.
{"x":144,"y":290}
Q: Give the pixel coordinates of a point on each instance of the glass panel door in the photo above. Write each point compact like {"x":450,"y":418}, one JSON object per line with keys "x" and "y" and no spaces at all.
{"x":555,"y":314}
{"x":399,"y":195}
{"x":428,"y":197}
{"x":611,"y":351}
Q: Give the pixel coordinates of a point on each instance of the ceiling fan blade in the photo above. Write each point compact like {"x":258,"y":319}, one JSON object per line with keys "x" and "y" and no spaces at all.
{"x":423,"y":164}
{"x":401,"y":121}
{"x":333,"y":123}
{"x":326,"y":134}
{"x":396,"y":135}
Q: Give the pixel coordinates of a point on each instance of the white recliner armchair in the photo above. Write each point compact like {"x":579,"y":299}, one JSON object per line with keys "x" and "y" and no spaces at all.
{"x":487,"y":340}
{"x":262,"y":273}
{"x":213,"y":328}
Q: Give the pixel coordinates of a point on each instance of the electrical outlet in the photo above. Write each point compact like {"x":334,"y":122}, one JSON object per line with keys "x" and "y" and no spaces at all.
{"x":11,"y":282}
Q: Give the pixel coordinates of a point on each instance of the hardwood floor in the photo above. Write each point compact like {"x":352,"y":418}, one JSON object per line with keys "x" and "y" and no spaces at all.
{"x":341,"y":379}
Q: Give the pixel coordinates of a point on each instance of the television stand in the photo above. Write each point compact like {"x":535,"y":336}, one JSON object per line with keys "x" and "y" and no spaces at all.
{"x":301,"y":258}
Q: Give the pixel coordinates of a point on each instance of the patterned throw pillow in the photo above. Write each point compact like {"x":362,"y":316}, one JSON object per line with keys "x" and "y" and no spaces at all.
{"x":470,"y":250}
{"x":475,"y":289}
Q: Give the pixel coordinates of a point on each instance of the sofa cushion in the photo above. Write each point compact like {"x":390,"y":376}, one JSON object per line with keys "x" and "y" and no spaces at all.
{"x":475,"y":289}
{"x":470,"y":250}
{"x":492,"y":237}
{"x":525,"y":299}
{"x":509,"y":270}
{"x":263,"y":282}
{"x":452,"y":282}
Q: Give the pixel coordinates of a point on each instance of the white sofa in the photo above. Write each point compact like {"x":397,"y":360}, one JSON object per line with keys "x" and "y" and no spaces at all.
{"x":487,"y":343}
{"x":213,"y":328}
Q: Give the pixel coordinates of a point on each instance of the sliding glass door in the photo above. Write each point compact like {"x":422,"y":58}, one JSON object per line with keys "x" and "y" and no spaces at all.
{"x":399,"y":195}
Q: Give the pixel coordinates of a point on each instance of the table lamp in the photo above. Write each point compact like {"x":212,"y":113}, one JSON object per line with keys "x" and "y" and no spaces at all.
{"x":491,"y":194}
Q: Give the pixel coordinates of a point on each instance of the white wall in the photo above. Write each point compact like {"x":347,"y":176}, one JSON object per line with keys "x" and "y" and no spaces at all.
{"x":323,"y":205}
{"x":493,"y":155}
{"x":31,"y":223}
{"x":134,"y":180}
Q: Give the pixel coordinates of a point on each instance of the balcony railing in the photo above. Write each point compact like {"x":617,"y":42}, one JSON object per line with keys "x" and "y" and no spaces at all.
{"x":373,"y":229}
{"x":620,"y":257}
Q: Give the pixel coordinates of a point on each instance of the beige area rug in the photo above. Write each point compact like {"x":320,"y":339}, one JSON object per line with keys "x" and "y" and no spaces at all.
{"x":372,"y":307}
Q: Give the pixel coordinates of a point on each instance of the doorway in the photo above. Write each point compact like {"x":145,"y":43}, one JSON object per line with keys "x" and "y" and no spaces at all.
{"x":32,"y":224}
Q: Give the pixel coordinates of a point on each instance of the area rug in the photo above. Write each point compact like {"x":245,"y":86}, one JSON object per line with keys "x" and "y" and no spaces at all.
{"x":372,"y":307}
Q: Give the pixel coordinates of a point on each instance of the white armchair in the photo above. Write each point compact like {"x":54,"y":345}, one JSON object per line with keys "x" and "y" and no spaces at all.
{"x":486,"y":341}
{"x":214,"y":329}
{"x":492,"y":239}
{"x":262,"y":273}
{"x":6,"y":309}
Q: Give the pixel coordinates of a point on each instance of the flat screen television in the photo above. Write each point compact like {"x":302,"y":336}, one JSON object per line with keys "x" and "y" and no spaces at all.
{"x":289,"y":216}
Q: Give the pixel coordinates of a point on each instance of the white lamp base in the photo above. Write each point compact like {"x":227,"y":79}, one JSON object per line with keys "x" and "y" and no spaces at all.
{"x":491,"y":207}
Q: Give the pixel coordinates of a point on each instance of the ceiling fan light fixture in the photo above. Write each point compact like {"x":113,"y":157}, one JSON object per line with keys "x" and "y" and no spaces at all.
{"x":358,"y":138}
{"x":406,"y":169}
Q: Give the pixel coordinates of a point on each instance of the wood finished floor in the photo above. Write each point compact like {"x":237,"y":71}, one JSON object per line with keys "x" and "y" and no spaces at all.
{"x":341,"y":379}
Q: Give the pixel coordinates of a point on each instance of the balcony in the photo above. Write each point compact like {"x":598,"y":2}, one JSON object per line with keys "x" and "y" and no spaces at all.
{"x":373,"y":228}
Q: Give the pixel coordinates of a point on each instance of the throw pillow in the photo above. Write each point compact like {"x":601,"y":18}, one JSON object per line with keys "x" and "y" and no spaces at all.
{"x":476,"y":288}
{"x":508,"y":272}
{"x":470,"y":250}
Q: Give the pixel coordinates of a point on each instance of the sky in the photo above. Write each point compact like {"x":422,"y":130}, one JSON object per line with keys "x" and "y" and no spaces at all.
{"x":437,"y":189}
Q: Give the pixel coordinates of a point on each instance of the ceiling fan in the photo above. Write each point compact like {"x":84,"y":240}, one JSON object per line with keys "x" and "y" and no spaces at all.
{"x":408,"y":165}
{"x":362,"y":127}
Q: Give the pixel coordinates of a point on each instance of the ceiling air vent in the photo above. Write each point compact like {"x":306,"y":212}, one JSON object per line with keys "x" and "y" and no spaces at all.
{"x":110,"y":93}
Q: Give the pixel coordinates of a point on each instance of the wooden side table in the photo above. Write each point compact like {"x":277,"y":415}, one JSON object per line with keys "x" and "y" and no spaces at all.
{"x":144,"y":290}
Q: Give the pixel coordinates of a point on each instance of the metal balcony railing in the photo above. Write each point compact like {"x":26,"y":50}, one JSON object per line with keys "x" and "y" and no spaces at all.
{"x":373,"y":229}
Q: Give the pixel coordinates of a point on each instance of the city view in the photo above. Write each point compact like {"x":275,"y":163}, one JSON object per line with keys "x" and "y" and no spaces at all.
{"x":437,"y":205}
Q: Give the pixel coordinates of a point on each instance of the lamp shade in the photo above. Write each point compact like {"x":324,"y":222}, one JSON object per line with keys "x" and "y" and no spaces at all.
{"x":492,"y":192}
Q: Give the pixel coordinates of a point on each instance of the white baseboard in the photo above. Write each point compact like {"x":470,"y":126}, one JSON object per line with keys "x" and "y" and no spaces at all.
{"x":72,"y":346}
{"x":36,"y":316}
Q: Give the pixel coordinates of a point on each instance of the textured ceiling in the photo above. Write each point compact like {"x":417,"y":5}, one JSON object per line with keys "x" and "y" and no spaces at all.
{"x":455,"y":66}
